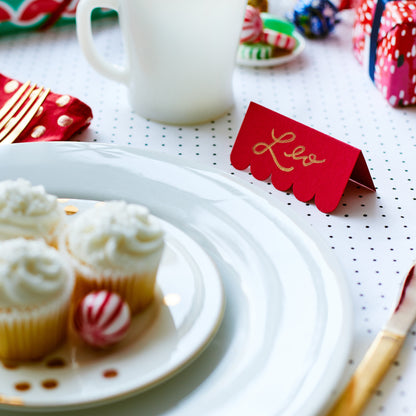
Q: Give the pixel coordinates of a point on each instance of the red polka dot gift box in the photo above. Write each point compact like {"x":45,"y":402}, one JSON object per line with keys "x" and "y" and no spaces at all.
{"x":384,"y":40}
{"x":60,"y":117}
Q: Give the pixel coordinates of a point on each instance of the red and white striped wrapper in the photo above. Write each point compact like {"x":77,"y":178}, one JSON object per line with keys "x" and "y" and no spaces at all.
{"x":252,"y":26}
{"x":280,"y":40}
{"x":102,"y":318}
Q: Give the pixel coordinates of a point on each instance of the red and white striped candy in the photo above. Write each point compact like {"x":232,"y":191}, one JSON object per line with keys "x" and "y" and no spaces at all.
{"x":280,"y":40}
{"x":102,"y":318}
{"x":252,"y":25}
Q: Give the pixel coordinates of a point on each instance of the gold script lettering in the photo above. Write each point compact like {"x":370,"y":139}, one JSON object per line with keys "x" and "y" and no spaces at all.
{"x":262,"y":147}
{"x":307,"y":160}
{"x":296,"y":154}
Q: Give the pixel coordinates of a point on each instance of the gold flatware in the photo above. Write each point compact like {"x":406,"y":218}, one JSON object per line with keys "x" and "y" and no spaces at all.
{"x":381,"y":353}
{"x":19,"y":110}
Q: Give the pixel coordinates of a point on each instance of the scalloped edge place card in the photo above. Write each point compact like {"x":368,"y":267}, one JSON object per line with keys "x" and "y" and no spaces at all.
{"x":294,"y":155}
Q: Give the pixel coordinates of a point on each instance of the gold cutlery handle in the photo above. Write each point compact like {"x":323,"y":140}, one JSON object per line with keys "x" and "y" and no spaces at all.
{"x":368,"y":374}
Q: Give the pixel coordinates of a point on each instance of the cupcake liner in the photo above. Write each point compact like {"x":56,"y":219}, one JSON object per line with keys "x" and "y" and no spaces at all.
{"x":30,"y":332}
{"x":137,"y":289}
{"x":33,"y":337}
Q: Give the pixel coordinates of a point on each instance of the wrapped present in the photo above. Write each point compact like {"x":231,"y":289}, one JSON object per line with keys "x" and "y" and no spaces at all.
{"x":384,"y":40}
{"x":18,"y":15}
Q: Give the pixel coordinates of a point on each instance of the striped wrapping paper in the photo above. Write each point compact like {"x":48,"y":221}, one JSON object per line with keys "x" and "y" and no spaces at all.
{"x":18,"y":15}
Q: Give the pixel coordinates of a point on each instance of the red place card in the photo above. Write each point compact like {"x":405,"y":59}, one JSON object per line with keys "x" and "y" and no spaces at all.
{"x":295,"y":155}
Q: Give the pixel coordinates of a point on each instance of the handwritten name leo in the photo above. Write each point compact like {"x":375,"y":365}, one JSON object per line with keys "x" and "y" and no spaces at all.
{"x":298,"y":153}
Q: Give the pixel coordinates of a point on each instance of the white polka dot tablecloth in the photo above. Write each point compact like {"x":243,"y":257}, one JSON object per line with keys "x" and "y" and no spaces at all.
{"x":373,"y":235}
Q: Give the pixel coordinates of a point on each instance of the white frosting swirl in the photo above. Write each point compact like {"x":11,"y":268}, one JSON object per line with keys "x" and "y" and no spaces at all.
{"x":31,"y":272}
{"x":116,"y":237}
{"x":27,"y":211}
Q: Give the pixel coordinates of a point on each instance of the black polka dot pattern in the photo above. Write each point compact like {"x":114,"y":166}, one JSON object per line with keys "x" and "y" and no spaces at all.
{"x":372,"y":235}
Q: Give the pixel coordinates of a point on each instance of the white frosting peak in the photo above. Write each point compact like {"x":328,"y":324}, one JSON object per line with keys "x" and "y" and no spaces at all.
{"x":19,"y":197}
{"x":27,"y":210}
{"x":115,"y":236}
{"x":31,"y":272}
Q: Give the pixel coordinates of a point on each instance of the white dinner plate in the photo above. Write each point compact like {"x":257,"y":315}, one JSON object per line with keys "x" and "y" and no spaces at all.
{"x":287,"y":329}
{"x":279,"y":60}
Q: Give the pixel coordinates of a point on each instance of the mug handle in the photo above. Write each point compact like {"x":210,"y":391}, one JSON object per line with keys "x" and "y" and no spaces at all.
{"x":85,"y":39}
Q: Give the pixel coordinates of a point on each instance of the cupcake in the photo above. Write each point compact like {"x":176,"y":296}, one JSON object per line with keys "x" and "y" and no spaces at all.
{"x":117,"y":247}
{"x":28,"y":211}
{"x":36,"y":286}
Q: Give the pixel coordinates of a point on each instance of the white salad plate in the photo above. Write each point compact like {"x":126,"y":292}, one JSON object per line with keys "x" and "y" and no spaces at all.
{"x":278,"y":60}
{"x":186,"y":314}
{"x":182,"y":320}
{"x":285,"y":335}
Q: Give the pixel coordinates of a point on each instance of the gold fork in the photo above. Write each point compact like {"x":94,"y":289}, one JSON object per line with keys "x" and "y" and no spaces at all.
{"x":19,"y":110}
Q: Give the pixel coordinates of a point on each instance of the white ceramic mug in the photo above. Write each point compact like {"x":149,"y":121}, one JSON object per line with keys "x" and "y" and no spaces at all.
{"x":180,"y":55}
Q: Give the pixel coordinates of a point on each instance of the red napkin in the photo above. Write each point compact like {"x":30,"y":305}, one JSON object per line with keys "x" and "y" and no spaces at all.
{"x":59,"y":118}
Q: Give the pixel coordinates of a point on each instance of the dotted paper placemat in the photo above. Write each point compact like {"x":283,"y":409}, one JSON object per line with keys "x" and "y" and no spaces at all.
{"x":372,"y":234}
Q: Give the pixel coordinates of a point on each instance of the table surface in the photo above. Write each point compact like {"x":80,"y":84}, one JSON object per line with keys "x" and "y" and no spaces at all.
{"x":371,"y":234}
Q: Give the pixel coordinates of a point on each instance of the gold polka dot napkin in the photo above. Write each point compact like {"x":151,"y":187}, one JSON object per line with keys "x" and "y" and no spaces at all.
{"x":59,"y":118}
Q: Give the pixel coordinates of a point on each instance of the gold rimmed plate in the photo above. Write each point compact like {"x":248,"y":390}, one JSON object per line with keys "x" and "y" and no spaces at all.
{"x":171,"y":332}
